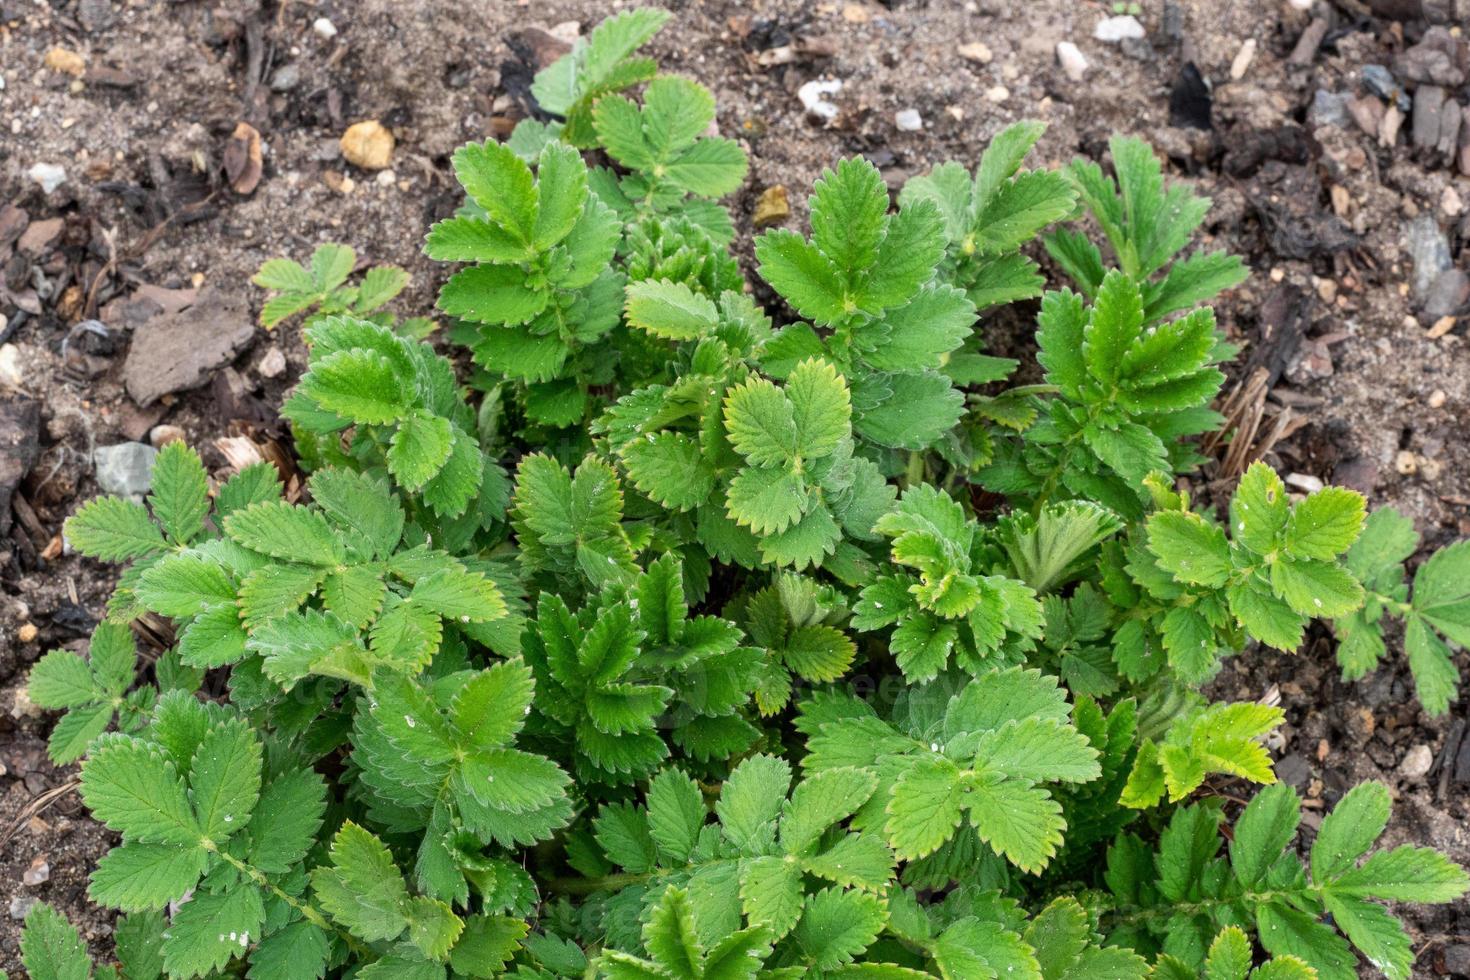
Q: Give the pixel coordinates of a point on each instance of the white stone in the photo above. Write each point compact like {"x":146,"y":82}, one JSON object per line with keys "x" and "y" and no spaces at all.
{"x":10,"y":373}
{"x":813,"y":96}
{"x":908,"y":120}
{"x":49,"y":175}
{"x":1305,"y":482}
{"x":324,"y":28}
{"x":977,"y":51}
{"x":1071,"y":59}
{"x":1243,"y":59}
{"x":1417,"y":762}
{"x":272,"y":364}
{"x":1121,"y":28}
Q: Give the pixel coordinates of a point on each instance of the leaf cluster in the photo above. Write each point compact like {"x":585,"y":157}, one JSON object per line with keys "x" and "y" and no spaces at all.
{"x":691,"y":638}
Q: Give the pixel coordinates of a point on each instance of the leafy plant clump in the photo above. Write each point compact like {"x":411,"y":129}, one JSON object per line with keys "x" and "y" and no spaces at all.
{"x":695,"y":639}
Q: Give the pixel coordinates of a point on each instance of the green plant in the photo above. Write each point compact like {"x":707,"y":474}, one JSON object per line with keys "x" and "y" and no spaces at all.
{"x":1437,"y":614}
{"x":322,"y":286}
{"x":732,"y":670}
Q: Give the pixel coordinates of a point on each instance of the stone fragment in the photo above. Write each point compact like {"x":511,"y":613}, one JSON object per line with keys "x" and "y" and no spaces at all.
{"x":977,"y":51}
{"x":368,"y":144}
{"x":20,"y":430}
{"x":908,"y":120}
{"x":1417,"y":762}
{"x":178,"y":351}
{"x":125,"y":469}
{"x":1114,"y":30}
{"x":1428,"y":101}
{"x":1429,"y":250}
{"x":1070,"y":57}
{"x":49,"y":175}
{"x":66,"y":62}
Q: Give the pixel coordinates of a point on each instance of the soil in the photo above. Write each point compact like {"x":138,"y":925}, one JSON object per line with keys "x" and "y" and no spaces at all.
{"x":1352,"y":379}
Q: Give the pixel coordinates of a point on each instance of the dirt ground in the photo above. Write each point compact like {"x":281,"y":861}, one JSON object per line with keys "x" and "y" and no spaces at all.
{"x":1353,"y":370}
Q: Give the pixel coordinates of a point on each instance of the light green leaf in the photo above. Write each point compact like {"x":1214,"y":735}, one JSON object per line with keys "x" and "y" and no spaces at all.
{"x":113,"y":529}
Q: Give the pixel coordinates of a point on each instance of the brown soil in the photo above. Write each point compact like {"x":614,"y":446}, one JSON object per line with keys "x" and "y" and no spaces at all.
{"x":1318,"y":211}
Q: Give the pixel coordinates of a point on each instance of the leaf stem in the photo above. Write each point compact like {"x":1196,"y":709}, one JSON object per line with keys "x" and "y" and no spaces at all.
{"x":586,"y":886}
{"x":309,"y":913}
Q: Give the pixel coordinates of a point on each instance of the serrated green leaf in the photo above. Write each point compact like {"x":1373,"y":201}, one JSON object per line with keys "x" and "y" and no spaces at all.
{"x":137,"y":791}
{"x":670,"y":310}
{"x":1259,"y":509}
{"x":362,"y":888}
{"x":224,"y":779}
{"x":1325,"y":524}
{"x":51,"y":948}
{"x":139,"y":877}
{"x":114,"y":529}
{"x":180,"y":493}
{"x":62,"y":679}
{"x":675,"y":814}
{"x":1189,"y":547}
{"x":363,"y":386}
{"x":282,"y":530}
{"x":211,"y":929}
{"x":1316,"y":588}
{"x":925,"y":807}
{"x":837,"y":926}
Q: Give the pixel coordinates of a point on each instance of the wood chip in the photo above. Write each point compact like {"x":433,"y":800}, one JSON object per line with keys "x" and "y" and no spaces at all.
{"x":242,"y":159}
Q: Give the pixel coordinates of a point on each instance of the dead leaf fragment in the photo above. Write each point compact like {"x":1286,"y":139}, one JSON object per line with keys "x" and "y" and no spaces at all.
{"x":242,"y":159}
{"x":772,"y":207}
{"x":368,"y":145}
{"x":66,"y":61}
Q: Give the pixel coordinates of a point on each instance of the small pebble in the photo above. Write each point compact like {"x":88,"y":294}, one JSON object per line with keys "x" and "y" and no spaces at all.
{"x":1073,"y":63}
{"x":27,"y":633}
{"x":1304,"y":482}
{"x":1114,"y":30}
{"x":1450,"y":201}
{"x":1437,"y":398}
{"x":1441,"y":327}
{"x":1406,"y":462}
{"x":38,"y":873}
{"x":977,"y":52}
{"x":125,"y":469}
{"x":324,"y":28}
{"x":66,"y":61}
{"x":997,"y":93}
{"x":49,"y":175}
{"x":10,"y":372}
{"x":1417,"y":762}
{"x":161,"y":435}
{"x":272,"y":364}
{"x":387,"y":178}
{"x":20,"y":905}
{"x":1243,"y":59}
{"x":908,"y":120}
{"x":368,"y":144}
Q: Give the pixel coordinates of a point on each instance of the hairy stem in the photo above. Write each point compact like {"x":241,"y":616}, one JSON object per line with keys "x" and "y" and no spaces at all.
{"x":308,"y":912}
